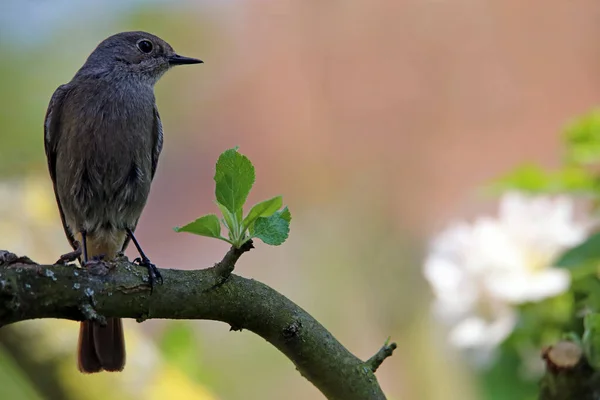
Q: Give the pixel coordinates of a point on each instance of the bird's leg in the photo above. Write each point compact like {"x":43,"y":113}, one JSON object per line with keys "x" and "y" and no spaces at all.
{"x":84,"y":242}
{"x":71,"y":256}
{"x":153,"y":272}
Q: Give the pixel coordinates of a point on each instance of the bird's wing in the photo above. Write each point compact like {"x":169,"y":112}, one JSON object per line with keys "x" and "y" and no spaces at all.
{"x":157,"y":143}
{"x":51,"y":138}
{"x":157,"y":138}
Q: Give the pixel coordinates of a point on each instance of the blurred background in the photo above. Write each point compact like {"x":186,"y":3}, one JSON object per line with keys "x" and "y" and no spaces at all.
{"x":376,"y":120}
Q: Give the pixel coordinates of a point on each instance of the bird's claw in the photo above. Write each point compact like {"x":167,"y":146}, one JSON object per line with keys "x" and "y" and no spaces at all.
{"x":97,"y":266}
{"x":69,"y":257}
{"x":153,"y":272}
{"x":121,"y":257}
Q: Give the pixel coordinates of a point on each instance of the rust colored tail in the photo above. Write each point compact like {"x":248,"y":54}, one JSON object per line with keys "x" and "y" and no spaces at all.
{"x":101,"y":348}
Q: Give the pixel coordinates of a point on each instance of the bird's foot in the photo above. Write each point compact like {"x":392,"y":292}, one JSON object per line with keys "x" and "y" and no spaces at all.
{"x":121,"y":257}
{"x":96,"y":265}
{"x":69,"y":257}
{"x":153,"y":272}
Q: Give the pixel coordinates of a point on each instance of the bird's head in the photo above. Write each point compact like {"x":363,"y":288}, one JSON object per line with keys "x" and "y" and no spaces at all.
{"x":136,"y":53}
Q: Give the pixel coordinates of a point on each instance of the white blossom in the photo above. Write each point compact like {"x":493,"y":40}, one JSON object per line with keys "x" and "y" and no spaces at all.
{"x":480,"y":271}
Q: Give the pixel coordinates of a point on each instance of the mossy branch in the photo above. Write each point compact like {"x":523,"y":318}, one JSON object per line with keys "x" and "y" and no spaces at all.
{"x":29,"y":291}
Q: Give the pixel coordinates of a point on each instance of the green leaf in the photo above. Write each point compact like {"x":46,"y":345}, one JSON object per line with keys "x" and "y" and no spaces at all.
{"x":591,"y":339}
{"x":534,"y":179}
{"x":582,"y":139}
{"x":572,"y":337}
{"x":263,"y":209}
{"x":234,"y":178}
{"x":239,"y":216}
{"x":587,"y":293}
{"x":581,"y":255}
{"x":273,"y":230}
{"x":573,"y":178}
{"x":527,"y":178}
{"x":286,"y":215}
{"x":230,"y":222}
{"x":207,"y":225}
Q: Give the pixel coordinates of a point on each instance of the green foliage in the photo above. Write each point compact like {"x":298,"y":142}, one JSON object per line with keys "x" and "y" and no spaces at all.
{"x":207,"y":225}
{"x":504,"y":381}
{"x":587,"y":294}
{"x":547,"y":321}
{"x":263,"y":209}
{"x":534,"y":179}
{"x":591,"y":339}
{"x":576,"y":175}
{"x":234,"y":177}
{"x":527,"y":177}
{"x":273,"y":230}
{"x":582,"y":139}
{"x":583,"y":254}
{"x":583,"y":261}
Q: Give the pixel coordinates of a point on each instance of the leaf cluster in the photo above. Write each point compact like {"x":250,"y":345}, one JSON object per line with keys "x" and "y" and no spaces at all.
{"x":267,"y":220}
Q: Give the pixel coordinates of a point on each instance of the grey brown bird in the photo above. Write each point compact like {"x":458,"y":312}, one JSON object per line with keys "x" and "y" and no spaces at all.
{"x":103,"y":137}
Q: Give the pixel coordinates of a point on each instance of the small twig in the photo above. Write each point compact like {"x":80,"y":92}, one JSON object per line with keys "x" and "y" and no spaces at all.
{"x":374,"y":362}
{"x":224,"y":268}
{"x":91,"y":315}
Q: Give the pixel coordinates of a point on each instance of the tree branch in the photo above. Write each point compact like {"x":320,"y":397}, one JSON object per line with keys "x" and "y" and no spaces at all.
{"x":120,"y":289}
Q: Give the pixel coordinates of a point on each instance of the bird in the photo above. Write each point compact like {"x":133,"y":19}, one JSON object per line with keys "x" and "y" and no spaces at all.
{"x":103,"y":137}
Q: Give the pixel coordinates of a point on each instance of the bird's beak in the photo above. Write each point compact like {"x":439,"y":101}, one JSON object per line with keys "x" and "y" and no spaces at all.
{"x":176,"y":59}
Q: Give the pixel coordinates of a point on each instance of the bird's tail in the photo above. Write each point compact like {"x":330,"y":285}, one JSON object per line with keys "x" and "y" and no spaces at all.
{"x":101,"y":348}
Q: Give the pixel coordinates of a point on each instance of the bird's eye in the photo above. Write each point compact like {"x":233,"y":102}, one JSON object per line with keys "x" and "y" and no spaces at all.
{"x":145,"y":46}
